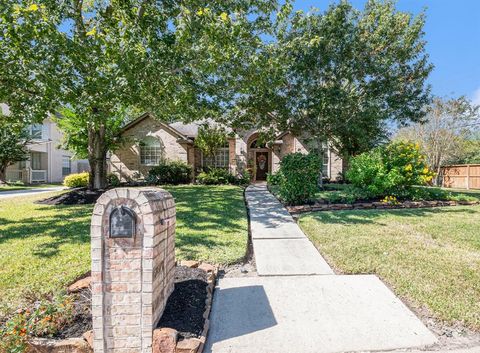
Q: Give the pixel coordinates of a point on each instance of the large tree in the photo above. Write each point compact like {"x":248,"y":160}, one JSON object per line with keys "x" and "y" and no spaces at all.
{"x":98,"y":59}
{"x":444,"y":135}
{"x":340,"y":75}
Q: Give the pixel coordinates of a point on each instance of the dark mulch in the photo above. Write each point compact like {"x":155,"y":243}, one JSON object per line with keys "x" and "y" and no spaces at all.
{"x":82,"y":321}
{"x":183,"y":312}
{"x":185,"y":307}
{"x":81,"y":196}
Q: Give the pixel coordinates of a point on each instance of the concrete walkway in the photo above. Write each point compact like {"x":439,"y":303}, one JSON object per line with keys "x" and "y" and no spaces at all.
{"x":279,"y":245}
{"x":14,"y":193}
{"x":297,"y":304}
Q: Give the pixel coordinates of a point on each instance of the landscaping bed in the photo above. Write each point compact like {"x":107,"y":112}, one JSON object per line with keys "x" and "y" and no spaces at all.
{"x":47,"y":324}
{"x":81,"y":196}
{"x":186,"y":305}
{"x":346,"y":197}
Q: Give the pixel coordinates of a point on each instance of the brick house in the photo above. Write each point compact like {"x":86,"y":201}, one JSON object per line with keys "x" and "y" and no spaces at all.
{"x":149,"y":141}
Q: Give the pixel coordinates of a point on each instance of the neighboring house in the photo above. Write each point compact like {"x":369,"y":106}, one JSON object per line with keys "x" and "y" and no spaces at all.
{"x":47,"y":163}
{"x":149,"y":142}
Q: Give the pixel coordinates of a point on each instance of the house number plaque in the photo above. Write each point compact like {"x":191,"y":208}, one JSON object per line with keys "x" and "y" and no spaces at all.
{"x":122,"y":223}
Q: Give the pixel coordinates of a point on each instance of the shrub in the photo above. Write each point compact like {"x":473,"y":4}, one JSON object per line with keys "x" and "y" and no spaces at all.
{"x":45,"y":319}
{"x":76,"y":180}
{"x":274,"y":179}
{"x":389,"y":170}
{"x":348,"y":194}
{"x":113,"y":180}
{"x":244,"y":178}
{"x":175,"y":172}
{"x":216,"y":176}
{"x":300,"y":172}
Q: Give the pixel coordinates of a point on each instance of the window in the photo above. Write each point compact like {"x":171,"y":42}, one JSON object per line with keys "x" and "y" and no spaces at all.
{"x":36,"y":131}
{"x":151,"y":151}
{"x":312,"y":147}
{"x":66,"y":165}
{"x":325,"y":169}
{"x":220,"y":160}
{"x":36,"y":160}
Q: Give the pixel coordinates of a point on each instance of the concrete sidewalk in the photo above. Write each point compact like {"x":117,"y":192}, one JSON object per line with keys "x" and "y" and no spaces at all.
{"x":311,"y":314}
{"x":297,"y":304}
{"x":279,"y":245}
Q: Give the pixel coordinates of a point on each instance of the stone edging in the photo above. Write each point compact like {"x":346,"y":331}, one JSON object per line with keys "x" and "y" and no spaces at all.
{"x":375,"y":205}
{"x":165,"y":340}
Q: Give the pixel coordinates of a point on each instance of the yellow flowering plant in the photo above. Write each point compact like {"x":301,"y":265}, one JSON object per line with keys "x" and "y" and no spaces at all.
{"x":390,"y":170}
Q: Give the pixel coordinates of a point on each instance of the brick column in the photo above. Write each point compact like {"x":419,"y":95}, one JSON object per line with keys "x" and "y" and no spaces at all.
{"x":132,"y":278}
{"x":232,"y":156}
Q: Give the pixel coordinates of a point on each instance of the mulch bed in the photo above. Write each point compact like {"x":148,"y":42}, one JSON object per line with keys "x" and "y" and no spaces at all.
{"x":82,"y":321}
{"x":81,"y":196}
{"x":322,"y":206}
{"x":186,"y":305}
{"x":183,"y":312}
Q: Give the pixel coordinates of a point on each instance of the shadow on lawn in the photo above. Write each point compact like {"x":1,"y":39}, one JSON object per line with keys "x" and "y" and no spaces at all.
{"x":205,"y":209}
{"x":353,"y":217}
{"x":70,"y":225}
{"x":205,"y":215}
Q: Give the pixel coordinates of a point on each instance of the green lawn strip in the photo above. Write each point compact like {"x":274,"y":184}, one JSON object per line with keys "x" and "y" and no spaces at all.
{"x":12,"y":187}
{"x":43,"y":248}
{"x":211,"y":223}
{"x":431,"y":257}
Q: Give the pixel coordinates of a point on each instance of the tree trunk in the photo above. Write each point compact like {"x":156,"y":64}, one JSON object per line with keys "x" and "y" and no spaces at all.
{"x":437,"y":177}
{"x":97,"y":157}
{"x":3,"y":174}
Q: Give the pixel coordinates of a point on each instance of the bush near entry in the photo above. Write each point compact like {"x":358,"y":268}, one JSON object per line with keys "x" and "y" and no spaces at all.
{"x":299,"y":177}
{"x":219,"y":176}
{"x":76,"y":180}
{"x":174,"y":173}
{"x":390,"y":170}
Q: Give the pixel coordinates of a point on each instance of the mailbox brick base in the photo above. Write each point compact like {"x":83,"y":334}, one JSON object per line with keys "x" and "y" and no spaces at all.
{"x":132,"y":277}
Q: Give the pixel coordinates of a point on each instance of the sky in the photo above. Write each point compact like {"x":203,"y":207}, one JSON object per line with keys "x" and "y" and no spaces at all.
{"x":452,"y":32}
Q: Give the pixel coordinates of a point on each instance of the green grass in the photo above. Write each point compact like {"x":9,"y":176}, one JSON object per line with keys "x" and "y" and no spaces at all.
{"x":11,"y":187}
{"x":211,"y":223}
{"x":43,"y":248}
{"x":430,"y":257}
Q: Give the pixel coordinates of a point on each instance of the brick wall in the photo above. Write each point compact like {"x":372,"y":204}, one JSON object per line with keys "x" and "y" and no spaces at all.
{"x":125,"y":161}
{"x":132,"y":278}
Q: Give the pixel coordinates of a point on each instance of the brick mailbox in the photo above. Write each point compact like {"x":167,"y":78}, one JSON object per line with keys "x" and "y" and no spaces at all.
{"x":133,"y":264}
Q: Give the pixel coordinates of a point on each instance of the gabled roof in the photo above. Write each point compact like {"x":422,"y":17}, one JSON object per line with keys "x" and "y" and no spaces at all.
{"x":167,"y":127}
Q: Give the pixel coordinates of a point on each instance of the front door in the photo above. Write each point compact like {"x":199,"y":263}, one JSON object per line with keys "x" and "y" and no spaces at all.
{"x":262,"y":165}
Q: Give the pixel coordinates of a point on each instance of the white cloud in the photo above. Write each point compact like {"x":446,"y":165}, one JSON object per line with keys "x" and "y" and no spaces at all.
{"x":476,"y":97}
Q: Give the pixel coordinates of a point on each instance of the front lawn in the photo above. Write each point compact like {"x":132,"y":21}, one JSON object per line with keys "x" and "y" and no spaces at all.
{"x":43,"y":248}
{"x":430,"y":257}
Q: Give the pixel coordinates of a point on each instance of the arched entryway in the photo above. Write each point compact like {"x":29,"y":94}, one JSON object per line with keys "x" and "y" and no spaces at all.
{"x":259,"y":158}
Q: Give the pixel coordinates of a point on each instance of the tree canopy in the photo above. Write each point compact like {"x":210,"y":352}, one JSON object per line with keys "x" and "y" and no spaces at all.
{"x":340,"y":75}
{"x":100,"y":58}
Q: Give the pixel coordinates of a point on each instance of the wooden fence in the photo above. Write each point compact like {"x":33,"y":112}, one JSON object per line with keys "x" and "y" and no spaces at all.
{"x":465,"y":176}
